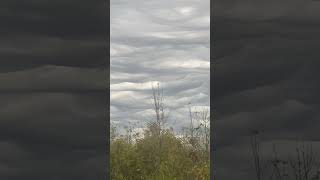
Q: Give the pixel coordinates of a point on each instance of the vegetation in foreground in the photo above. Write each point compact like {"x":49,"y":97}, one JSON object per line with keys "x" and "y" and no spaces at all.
{"x":159,"y":153}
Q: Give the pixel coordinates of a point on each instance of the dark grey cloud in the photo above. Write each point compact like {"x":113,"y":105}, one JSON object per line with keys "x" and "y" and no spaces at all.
{"x":20,"y":52}
{"x":266,"y":78}
{"x":264,"y":10}
{"x":54,"y":80}
{"x":55,"y":18}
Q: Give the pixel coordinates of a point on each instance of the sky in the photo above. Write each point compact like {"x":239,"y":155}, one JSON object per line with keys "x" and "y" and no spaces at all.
{"x":266,"y":78}
{"x":53,"y":78}
{"x":53,"y":89}
{"x":165,"y":42}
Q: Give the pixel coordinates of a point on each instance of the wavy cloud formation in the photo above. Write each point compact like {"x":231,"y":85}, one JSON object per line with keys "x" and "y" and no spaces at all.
{"x":159,"y":41}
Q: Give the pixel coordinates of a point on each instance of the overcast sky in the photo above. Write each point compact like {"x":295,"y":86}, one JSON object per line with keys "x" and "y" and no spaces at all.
{"x":267,"y":78}
{"x":53,"y":89}
{"x":159,"y":41}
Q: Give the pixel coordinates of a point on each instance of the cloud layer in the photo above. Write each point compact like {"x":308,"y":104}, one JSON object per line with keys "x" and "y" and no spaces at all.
{"x":266,"y":78}
{"x":158,"y":41}
{"x":53,"y":90}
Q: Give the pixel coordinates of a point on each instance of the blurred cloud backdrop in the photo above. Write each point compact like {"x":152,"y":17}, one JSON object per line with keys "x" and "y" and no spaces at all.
{"x":266,"y":79}
{"x":53,"y":89}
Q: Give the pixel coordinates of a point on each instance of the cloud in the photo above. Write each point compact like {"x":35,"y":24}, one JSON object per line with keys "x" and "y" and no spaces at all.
{"x":265,"y":79}
{"x":159,"y":41}
{"x":262,"y":10}
{"x":53,"y":90}
{"x":133,"y":86}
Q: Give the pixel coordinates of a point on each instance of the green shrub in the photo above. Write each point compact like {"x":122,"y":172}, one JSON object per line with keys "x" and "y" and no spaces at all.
{"x":164,"y":157}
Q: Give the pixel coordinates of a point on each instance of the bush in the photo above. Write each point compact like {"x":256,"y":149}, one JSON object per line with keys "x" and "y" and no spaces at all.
{"x":164,"y":157}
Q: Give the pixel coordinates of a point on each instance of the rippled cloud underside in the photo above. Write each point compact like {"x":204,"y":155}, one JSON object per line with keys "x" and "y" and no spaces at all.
{"x":166,"y":42}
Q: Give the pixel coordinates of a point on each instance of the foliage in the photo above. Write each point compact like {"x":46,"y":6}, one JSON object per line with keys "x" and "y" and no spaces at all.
{"x":142,"y":159}
{"x":160,"y":154}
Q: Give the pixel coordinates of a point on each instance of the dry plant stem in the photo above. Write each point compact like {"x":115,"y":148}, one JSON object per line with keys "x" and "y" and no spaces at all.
{"x":255,"y":147}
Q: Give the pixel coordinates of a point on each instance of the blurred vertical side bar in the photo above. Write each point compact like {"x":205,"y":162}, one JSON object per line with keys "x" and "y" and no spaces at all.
{"x":212,"y":71}
{"x":108,"y":87}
